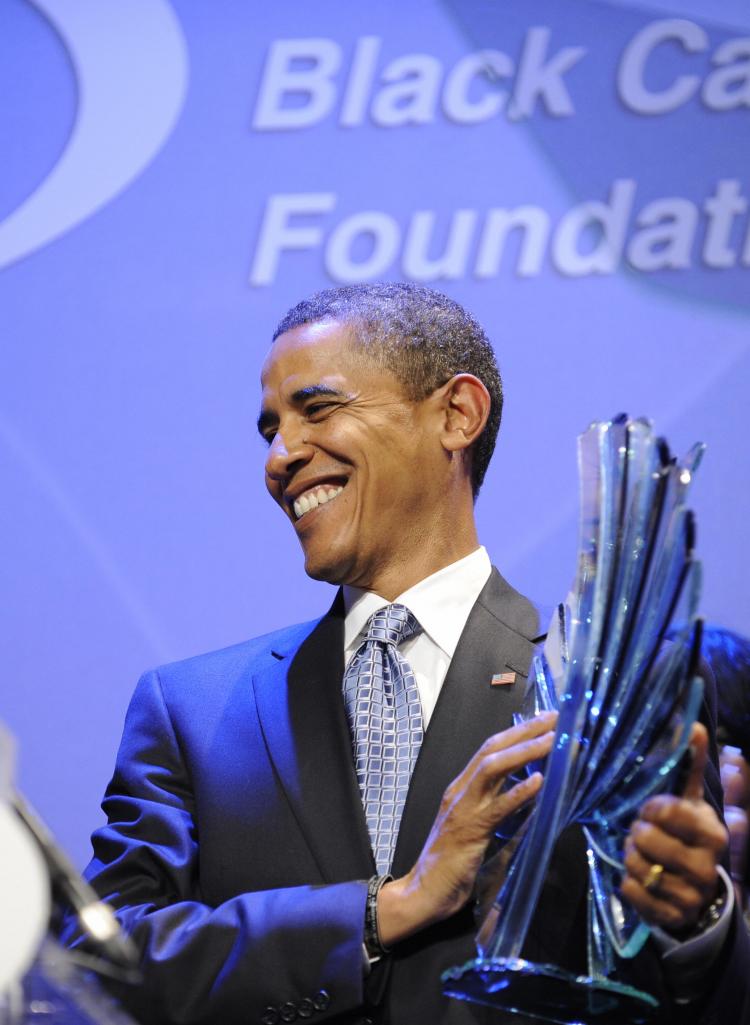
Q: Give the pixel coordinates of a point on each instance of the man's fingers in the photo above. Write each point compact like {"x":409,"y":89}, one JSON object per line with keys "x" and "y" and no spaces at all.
{"x":672,"y":910}
{"x":696,"y":863}
{"x":695,"y":823}
{"x":516,"y":743}
{"x":495,"y":767}
{"x":516,"y":796}
{"x":663,"y":897}
{"x":476,"y":801}
{"x":517,"y":734}
{"x":668,"y":879}
{"x":685,"y":886}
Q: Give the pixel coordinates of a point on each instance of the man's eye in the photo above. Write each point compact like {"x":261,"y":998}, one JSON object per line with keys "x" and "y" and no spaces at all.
{"x":318,"y":407}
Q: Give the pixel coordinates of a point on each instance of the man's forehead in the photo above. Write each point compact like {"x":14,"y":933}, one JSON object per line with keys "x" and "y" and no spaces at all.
{"x":322,"y":348}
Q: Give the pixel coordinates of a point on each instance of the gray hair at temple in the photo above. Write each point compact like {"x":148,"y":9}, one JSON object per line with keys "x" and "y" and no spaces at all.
{"x":421,"y":336}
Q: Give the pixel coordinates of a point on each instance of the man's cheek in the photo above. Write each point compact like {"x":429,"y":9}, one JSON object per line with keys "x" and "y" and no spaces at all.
{"x":275,"y":492}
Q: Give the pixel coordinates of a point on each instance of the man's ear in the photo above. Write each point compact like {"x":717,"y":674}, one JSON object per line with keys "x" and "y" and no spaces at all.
{"x":466,"y":406}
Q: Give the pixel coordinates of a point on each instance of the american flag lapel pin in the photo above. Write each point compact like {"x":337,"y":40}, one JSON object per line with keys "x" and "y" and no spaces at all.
{"x":502,"y":679}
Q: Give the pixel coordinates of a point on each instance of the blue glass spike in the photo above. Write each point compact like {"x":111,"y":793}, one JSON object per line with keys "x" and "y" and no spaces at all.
{"x":658,"y":764}
{"x":599,"y":950}
{"x":669,"y":573}
{"x":693,"y":459}
{"x":647,"y":712}
{"x":641,"y":481}
{"x":549,"y":667}
{"x":601,"y":497}
{"x":519,"y":895}
{"x":623,"y":927}
{"x":606,"y":833}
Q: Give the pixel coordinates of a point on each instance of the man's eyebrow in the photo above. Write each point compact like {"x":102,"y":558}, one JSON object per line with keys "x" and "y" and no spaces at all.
{"x":313,"y":390}
{"x":310,"y":391}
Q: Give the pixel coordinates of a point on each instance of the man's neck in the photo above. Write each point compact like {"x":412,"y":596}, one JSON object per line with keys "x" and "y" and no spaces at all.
{"x":391,"y":585}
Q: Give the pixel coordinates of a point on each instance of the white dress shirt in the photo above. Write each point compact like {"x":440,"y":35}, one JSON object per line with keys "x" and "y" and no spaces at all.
{"x":441,"y":604}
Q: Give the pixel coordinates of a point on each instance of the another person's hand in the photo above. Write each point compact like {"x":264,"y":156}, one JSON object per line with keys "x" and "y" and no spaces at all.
{"x":473,"y":805}
{"x":735,"y":777}
{"x":673,"y":850}
{"x":735,"y":782}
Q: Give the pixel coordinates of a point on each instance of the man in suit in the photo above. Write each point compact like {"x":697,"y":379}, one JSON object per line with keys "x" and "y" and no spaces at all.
{"x":238,"y":852}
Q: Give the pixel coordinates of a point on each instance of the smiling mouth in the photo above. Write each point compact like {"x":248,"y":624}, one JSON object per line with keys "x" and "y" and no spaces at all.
{"x":318,"y":495}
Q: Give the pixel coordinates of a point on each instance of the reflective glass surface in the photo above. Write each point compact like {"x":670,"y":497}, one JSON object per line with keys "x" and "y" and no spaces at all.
{"x":627,"y":700}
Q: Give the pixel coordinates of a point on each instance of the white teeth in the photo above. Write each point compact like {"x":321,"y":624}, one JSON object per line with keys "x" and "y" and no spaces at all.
{"x":313,"y":498}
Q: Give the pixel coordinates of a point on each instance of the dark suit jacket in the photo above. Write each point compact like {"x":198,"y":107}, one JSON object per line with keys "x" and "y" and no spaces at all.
{"x":236,"y":850}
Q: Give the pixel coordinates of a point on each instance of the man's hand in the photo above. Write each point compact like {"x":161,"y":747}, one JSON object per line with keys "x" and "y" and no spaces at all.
{"x":685,"y":836}
{"x":442,"y":879}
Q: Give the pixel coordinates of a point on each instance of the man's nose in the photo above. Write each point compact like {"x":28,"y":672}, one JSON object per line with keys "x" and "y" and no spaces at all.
{"x":288,"y":451}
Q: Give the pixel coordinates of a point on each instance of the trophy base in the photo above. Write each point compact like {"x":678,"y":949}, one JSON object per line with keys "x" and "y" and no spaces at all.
{"x":548,"y":993}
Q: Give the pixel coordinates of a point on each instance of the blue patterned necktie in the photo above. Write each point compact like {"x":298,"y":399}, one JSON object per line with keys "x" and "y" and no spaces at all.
{"x":385,"y":719}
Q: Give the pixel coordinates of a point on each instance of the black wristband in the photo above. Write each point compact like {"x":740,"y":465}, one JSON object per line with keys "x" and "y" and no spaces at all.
{"x":373,"y":946}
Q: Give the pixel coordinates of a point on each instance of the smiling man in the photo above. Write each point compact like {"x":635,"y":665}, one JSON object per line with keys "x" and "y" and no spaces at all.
{"x":296,"y":823}
{"x":376,"y":484}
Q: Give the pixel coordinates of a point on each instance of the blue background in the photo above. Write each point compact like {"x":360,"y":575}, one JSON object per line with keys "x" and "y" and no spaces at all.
{"x":135,"y":524}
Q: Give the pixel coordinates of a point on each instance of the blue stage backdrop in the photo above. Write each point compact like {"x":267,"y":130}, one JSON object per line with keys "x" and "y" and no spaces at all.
{"x":175,"y":175}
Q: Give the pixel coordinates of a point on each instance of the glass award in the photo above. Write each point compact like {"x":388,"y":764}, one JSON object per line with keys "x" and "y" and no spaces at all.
{"x":627,"y":700}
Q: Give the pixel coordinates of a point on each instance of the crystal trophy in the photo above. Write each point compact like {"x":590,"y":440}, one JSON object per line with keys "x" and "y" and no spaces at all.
{"x":627,"y":701}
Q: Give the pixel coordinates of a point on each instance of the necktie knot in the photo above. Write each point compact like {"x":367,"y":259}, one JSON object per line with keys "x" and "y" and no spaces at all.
{"x":392,"y":625}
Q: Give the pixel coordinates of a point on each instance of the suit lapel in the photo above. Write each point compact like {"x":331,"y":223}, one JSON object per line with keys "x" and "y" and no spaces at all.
{"x":304,"y":723}
{"x":499,"y":637}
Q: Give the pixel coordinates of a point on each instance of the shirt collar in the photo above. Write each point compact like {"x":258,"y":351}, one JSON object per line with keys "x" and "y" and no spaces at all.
{"x":441,"y":602}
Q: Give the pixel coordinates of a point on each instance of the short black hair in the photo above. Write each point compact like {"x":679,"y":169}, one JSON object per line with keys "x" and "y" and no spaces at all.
{"x":728,"y":655}
{"x":421,"y":336}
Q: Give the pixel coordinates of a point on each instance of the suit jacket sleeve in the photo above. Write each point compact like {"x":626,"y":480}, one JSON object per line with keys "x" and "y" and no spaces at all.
{"x":241,"y":959}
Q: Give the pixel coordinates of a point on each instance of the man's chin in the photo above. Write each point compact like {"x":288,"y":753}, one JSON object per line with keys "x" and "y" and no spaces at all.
{"x":327,"y":568}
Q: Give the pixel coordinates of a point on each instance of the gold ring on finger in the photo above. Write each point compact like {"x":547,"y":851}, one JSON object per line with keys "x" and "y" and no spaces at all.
{"x":653,"y":877}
